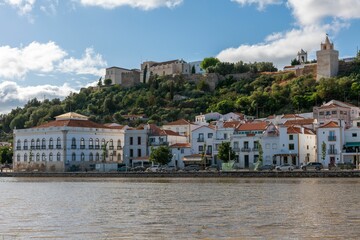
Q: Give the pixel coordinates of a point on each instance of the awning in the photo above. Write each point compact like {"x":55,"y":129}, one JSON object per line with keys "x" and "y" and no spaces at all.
{"x":194,"y":158}
{"x":352,"y":144}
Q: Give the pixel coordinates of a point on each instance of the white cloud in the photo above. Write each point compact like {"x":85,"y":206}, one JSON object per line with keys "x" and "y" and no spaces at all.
{"x":45,"y":58}
{"x":23,"y":6}
{"x":314,"y":19}
{"x":50,"y":7}
{"x":261,"y":3}
{"x":12,"y":95}
{"x":142,"y":4}
{"x":41,"y":57}
{"x":90,"y":63}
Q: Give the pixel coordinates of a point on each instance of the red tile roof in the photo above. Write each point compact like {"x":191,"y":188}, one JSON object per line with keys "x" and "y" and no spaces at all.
{"x":297,"y":130}
{"x":306,"y":121}
{"x":181,"y":145}
{"x":253,"y":126}
{"x":71,"y":123}
{"x":178,"y":122}
{"x":291,"y":116}
{"x":331,"y":124}
{"x":332,"y":106}
{"x":231,"y":124}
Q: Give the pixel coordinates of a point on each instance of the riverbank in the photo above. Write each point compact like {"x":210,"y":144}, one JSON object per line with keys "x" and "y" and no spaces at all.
{"x":200,"y":174}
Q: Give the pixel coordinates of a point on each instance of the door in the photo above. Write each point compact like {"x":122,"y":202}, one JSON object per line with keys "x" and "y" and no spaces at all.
{"x":246,"y":161}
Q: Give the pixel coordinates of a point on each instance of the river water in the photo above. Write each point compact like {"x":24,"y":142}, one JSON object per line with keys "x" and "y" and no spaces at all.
{"x":178,"y":208}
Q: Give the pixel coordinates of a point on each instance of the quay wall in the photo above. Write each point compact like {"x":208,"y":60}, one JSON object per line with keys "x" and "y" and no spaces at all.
{"x":230,"y":174}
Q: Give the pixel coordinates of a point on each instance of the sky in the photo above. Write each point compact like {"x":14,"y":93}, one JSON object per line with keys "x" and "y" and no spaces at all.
{"x":50,"y":48}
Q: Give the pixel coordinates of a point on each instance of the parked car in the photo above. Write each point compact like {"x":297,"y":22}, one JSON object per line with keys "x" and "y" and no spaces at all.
{"x":138,"y":169}
{"x":192,"y":168}
{"x":285,"y":167}
{"x":212,"y":168}
{"x":153,"y":168}
{"x":124,"y":169}
{"x":267,"y":167}
{"x":312,"y":166}
{"x":168,"y":169}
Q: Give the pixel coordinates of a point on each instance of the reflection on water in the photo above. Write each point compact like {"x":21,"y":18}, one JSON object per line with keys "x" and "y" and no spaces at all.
{"x":82,"y":208}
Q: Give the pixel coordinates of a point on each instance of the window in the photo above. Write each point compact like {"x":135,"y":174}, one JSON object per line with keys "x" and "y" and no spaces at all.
{"x":103,"y":143}
{"x":58,"y":157}
{"x":327,"y":113}
{"x":38,"y":157}
{"x":321,"y":113}
{"x":209,"y":150}
{"x":82,"y":157}
{"x":291,"y":146}
{"x":274,"y":146}
{"x":97,"y":144}
{"x":357,"y":124}
{"x":25,"y":144}
{"x":210,"y":135}
{"x":139,"y":152}
{"x":119,"y":144}
{"x":58,"y":143}
{"x":267,"y":146}
{"x":131,"y":140}
{"x":73,"y":143}
{"x":139,"y":140}
{"x":111,"y":156}
{"x":73,"y":157}
{"x":18,"y":145}
{"x":50,"y":157}
{"x":97,"y":157}
{"x":51,"y":143}
{"x":119,"y":157}
{"x":111,"y":144}
{"x":200,"y":137}
{"x":38,"y":143}
{"x":182,"y":150}
{"x":32,"y":144}
{"x":82,"y":143}
{"x":201,"y":148}
{"x":225,"y":136}
{"x":43,"y":157}
{"x":25,"y":157}
{"x":131,"y":152}
{"x":291,"y":137}
{"x":43,"y":143}
{"x":333,"y":112}
{"x":91,"y":143}
{"x":354,"y":134}
{"x":91,"y":157}
{"x":307,"y":147}
{"x":18,"y":158}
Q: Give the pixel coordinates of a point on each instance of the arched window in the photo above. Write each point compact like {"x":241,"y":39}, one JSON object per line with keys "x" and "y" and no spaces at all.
{"x":38,"y":157}
{"x":73,"y":157}
{"x":82,"y":157}
{"x":51,"y":144}
{"x":58,"y":143}
{"x":25,"y":144}
{"x":58,"y":157}
{"x":50,"y":157}
{"x":43,"y":143}
{"x":43,"y":157}
{"x":119,"y":144}
{"x":18,"y":157}
{"x":82,"y":143}
{"x":102,"y":143}
{"x":91,"y":157}
{"x":31,"y":156}
{"x":32,"y":144}
{"x":73,"y":143}
{"x":38,"y":143}
{"x":111,"y":144}
{"x":111,"y":156}
{"x":119,"y":157}
{"x":18,"y":145}
{"x":91,"y":143}
{"x":97,"y":157}
{"x":97,"y":143}
{"x":25,"y":157}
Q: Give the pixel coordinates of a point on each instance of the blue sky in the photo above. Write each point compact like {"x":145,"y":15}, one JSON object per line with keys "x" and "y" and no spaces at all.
{"x":49,"y":48}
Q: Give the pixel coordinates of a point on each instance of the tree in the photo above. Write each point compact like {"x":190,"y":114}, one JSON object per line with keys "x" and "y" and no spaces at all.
{"x":107,"y":82}
{"x":259,"y":162}
{"x":161,"y":155}
{"x":209,"y":62}
{"x":323,"y":151}
{"x":224,"y":151}
{"x":6,"y":154}
{"x":193,"y":69}
{"x":295,"y":62}
{"x":100,"y":82}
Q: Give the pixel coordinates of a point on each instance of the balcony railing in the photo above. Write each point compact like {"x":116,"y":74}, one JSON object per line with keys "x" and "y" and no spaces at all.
{"x":236,"y":149}
{"x":73,"y":146}
{"x":255,"y":149}
{"x":245,"y":149}
{"x":119,"y":147}
{"x":82,"y":146}
{"x":91,"y":146}
{"x":200,"y":140}
{"x":58,"y":146}
{"x":208,"y":152}
{"x":97,"y":147}
{"x":37,"y":147}
{"x":32,"y":147}
{"x":331,"y":138}
{"x":18,"y":148}
{"x":43,"y":146}
{"x":51,"y":146}
{"x":111,"y":147}
{"x":25,"y":147}
{"x":332,"y":151}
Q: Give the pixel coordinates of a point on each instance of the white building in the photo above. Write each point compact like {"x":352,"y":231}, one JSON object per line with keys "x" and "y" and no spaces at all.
{"x":196,"y":66}
{"x":202,"y":141}
{"x":71,"y":142}
{"x":181,"y":126}
{"x":203,"y":119}
{"x":351,"y":148}
{"x":179,"y":151}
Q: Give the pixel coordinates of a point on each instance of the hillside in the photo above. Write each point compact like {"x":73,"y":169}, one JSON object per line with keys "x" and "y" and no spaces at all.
{"x":261,"y":95}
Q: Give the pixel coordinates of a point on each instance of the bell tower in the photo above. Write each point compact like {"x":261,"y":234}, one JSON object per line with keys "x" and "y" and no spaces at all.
{"x":327,"y":60}
{"x":302,"y":56}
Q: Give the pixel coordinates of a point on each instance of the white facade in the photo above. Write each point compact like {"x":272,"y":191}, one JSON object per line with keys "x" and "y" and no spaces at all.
{"x":196,"y":65}
{"x":202,"y":140}
{"x":179,"y":151}
{"x":203,"y":119}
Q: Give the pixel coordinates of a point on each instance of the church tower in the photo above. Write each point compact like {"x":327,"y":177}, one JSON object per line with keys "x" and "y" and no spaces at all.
{"x":327,"y":60}
{"x":302,"y":56}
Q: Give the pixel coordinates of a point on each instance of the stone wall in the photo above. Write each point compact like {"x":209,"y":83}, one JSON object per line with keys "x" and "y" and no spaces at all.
{"x":130,"y":79}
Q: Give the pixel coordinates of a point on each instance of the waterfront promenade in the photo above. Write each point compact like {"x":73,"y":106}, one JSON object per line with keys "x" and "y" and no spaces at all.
{"x":200,"y":174}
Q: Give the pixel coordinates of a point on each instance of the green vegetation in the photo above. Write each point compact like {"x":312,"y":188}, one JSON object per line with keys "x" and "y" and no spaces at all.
{"x":161,"y":155}
{"x":225,"y":152}
{"x":256,"y":94}
{"x":6,"y":154}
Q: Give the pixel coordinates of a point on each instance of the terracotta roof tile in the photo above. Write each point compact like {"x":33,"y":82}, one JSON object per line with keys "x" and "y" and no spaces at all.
{"x":291,"y":116}
{"x":253,"y":126}
{"x":231,"y":124}
{"x":178,"y":122}
{"x":181,"y":145}
{"x":306,"y":121}
{"x":71,"y":123}
{"x":331,"y":124}
{"x":297,"y":130}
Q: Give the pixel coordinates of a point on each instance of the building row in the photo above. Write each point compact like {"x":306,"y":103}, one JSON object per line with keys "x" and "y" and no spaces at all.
{"x":331,"y":135}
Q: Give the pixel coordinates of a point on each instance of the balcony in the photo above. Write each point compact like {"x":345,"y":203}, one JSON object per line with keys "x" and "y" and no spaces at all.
{"x":51,"y":146}
{"x":73,"y":146}
{"x":97,"y":147}
{"x":245,"y":149}
{"x":32,"y":147}
{"x":255,"y":149}
{"x":25,"y":147}
{"x":236,"y":149}
{"x":200,"y":140}
{"x":91,"y":146}
{"x":332,"y":151}
{"x":81,"y":146}
{"x":58,"y":146}
{"x":43,"y":146}
{"x":38,"y":147}
{"x":331,"y":138}
{"x":18,"y":148}
{"x":208,"y":152}
{"x":111,"y":147}
{"x":119,"y":147}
